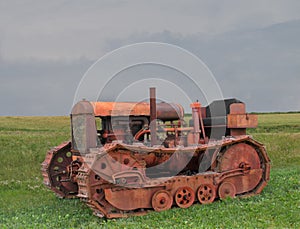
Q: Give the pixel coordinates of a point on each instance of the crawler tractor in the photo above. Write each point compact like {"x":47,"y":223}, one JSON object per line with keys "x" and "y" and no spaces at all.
{"x":127,"y":159}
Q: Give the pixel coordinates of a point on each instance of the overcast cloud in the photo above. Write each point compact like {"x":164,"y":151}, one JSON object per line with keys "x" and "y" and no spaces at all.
{"x":252,"y":47}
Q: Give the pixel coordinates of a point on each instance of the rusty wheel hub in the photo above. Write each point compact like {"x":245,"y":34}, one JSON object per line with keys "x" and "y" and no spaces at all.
{"x":227,"y":189}
{"x":206,"y":193}
{"x":162,"y":200}
{"x":184,"y":197}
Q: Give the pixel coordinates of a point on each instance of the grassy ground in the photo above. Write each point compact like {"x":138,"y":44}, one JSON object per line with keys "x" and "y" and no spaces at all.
{"x":26,"y":203}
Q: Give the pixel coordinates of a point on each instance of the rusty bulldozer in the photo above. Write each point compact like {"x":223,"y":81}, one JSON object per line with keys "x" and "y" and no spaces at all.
{"x":127,"y":159}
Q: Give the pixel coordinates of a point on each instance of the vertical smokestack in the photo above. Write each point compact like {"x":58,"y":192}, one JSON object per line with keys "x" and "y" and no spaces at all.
{"x":153,"y":115}
{"x":195,"y":114}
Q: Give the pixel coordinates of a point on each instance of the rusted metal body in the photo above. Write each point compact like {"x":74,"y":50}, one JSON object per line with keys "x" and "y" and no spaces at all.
{"x":132,"y":163}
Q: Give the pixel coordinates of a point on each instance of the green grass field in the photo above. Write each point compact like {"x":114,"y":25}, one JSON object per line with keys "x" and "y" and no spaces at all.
{"x":26,"y":203}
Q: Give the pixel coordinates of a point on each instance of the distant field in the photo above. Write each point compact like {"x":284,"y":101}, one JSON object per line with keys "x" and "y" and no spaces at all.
{"x":26,"y":203}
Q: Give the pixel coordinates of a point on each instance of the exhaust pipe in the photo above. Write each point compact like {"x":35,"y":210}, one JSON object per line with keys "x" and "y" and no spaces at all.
{"x":153,"y":116}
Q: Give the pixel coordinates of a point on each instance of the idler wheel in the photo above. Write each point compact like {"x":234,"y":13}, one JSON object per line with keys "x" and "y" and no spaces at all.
{"x":227,"y":189}
{"x":162,"y":200}
{"x":206,"y":193}
{"x":184,"y":197}
{"x":245,"y":157}
{"x":239,"y":155}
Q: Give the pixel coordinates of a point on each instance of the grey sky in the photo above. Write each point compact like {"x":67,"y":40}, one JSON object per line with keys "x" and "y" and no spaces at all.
{"x":252,"y":47}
